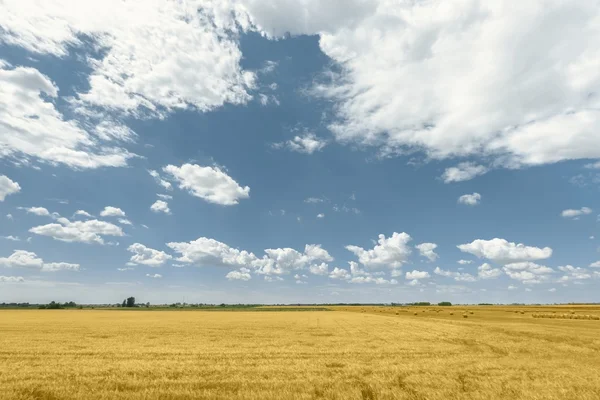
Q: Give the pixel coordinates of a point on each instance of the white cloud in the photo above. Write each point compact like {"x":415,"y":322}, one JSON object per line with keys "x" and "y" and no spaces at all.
{"x":22,"y":259}
{"x":315,"y":200}
{"x":135,"y":75}
{"x":9,"y":216}
{"x":209,"y":252}
{"x":242,"y":275}
{"x":576,"y":213}
{"x":60,"y":266}
{"x":160,"y":206}
{"x":11,"y":279}
{"x":574,"y":273}
{"x":319,"y":269}
{"x":83,"y":214}
{"x":90,"y":231}
{"x":512,"y":287}
{"x":370,"y":279}
{"x":321,"y":216}
{"x":154,"y":276}
{"x":417,"y":96}
{"x":593,"y":166}
{"x":470,"y":199}
{"x":552,"y":290}
{"x":147,"y":256}
{"x":31,"y":125}
{"x":165,"y":184}
{"x":7,"y":186}
{"x":595,"y":265}
{"x":124,"y":221}
{"x":307,"y":144}
{"x":416,"y":275}
{"x":28,"y":259}
{"x":208,"y":183}
{"x":463,"y":172}
{"x":164,"y":196}
{"x":273,"y":278}
{"x":11,"y":238}
{"x":41,"y":211}
{"x":112,"y":212}
{"x":465,"y":262}
{"x":485,"y":271}
{"x":457,"y":276}
{"x":427,"y":250}
{"x":527,"y":272}
{"x":389,"y":253}
{"x":340,"y":273}
{"x":502,"y":251}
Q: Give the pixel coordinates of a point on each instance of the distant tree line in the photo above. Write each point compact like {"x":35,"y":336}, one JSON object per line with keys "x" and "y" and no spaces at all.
{"x":53,"y":305}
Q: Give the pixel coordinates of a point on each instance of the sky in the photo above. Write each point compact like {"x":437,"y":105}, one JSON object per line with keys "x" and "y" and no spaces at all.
{"x":285,"y":151}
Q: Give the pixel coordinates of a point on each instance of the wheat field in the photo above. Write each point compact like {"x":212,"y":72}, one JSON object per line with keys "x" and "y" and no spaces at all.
{"x":362,"y":353}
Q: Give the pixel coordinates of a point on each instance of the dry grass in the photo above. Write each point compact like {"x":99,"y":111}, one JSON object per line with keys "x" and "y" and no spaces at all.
{"x":355,"y":353}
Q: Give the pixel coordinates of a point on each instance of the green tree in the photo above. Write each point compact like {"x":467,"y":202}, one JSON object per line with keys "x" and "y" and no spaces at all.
{"x":131,"y":302}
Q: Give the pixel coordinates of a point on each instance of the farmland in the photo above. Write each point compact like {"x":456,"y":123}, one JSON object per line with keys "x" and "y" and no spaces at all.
{"x":348,"y":353}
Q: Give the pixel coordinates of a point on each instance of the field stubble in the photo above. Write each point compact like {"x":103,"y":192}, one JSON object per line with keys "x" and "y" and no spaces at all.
{"x":363,"y":353}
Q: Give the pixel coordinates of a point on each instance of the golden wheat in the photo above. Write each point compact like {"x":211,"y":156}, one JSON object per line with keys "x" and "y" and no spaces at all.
{"x":350,"y":353}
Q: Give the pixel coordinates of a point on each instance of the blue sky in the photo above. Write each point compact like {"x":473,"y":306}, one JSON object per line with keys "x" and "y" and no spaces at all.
{"x":282,"y":152}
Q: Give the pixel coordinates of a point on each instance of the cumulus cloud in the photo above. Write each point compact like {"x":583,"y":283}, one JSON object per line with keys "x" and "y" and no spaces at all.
{"x":147,"y":256}
{"x":28,"y":259}
{"x":209,"y":252}
{"x":83,"y":214}
{"x":528,"y":272}
{"x":576,"y":213}
{"x":463,"y":172}
{"x":417,"y":96}
{"x":389,"y":253}
{"x":307,"y":144}
{"x":416,"y":275}
{"x":134,"y":75}
{"x":7,"y":186}
{"x":154,"y":276}
{"x":573,"y":274}
{"x":486,"y":271}
{"x":208,"y":183}
{"x":112,"y":212}
{"x":340,"y":273}
{"x":242,"y":275}
{"x":470,"y":199}
{"x":60,"y":266}
{"x":502,"y":251}
{"x":464,"y":262}
{"x":12,"y":279}
{"x":360,"y":276}
{"x":164,"y":196}
{"x":160,"y":206}
{"x":427,"y":250}
{"x":321,"y":216}
{"x":124,"y":221}
{"x":90,"y":231}
{"x":457,"y":276}
{"x":31,"y":125}
{"x":41,"y":211}
{"x":165,"y":184}
{"x":595,"y":265}
{"x":319,"y":269}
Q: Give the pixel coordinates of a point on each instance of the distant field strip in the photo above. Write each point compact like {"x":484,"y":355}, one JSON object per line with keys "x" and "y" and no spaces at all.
{"x":366,"y":354}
